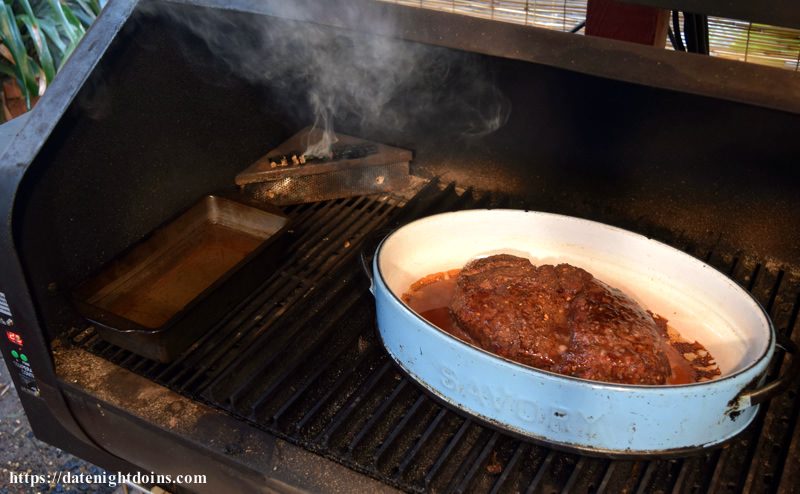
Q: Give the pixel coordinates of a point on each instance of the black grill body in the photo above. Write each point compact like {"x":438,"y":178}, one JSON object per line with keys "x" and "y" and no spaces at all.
{"x":292,"y":389}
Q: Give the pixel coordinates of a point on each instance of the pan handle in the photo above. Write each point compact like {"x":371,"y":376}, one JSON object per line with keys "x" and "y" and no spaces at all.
{"x":779,"y":385}
{"x":368,"y":247}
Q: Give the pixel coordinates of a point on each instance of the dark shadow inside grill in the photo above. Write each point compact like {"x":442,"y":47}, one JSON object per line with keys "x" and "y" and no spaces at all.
{"x":155,"y":129}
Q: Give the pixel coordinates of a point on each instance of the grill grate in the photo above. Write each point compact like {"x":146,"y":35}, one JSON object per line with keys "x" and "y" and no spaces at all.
{"x":301,"y":358}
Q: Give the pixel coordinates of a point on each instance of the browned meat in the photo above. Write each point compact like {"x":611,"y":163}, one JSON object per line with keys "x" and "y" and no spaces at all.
{"x":561,"y":319}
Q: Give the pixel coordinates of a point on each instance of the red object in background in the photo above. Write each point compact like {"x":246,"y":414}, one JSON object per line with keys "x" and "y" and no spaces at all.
{"x":14,"y":338}
{"x":626,"y":22}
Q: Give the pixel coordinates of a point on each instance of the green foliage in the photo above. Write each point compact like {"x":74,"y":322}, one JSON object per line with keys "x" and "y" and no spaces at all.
{"x":37,"y":37}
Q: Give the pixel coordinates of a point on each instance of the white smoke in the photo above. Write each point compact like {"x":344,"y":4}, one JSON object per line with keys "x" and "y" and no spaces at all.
{"x":321,"y":138}
{"x":375,"y":81}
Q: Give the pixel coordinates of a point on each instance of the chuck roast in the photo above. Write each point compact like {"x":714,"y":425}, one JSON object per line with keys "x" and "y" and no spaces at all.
{"x":561,"y":319}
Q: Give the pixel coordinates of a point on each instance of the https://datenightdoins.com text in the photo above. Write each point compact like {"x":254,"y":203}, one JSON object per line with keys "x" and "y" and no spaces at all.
{"x":110,"y":479}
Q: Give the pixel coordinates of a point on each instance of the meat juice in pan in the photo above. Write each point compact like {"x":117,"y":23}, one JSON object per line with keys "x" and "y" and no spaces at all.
{"x":497,"y":281}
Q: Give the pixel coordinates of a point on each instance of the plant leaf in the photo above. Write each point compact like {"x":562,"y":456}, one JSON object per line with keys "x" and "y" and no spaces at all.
{"x":88,"y":9}
{"x":26,"y":6}
{"x":51,"y":32}
{"x":48,"y":69}
{"x":38,"y":36}
{"x":7,"y":69}
{"x":68,"y":28}
{"x":74,"y":22}
{"x":39,"y":44}
{"x":68,"y":51}
{"x":25,"y":70}
{"x":5,"y":53}
{"x":83,"y":18}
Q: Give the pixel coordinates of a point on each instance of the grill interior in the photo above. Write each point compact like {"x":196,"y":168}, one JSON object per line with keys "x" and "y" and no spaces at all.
{"x":301,"y":358}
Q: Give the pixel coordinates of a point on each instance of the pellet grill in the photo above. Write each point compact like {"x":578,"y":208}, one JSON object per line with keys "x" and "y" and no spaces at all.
{"x":292,"y":390}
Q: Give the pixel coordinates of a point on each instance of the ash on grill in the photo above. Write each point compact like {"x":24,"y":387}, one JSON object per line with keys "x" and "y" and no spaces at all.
{"x":338,"y":152}
{"x":353,"y":167}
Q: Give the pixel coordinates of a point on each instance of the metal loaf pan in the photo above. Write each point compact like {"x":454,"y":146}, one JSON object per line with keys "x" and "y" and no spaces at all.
{"x":169,"y":289}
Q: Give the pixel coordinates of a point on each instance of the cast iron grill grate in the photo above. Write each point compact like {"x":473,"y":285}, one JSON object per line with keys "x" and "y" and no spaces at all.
{"x":301,"y":358}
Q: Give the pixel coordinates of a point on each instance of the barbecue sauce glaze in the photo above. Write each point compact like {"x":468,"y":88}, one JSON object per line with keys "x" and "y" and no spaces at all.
{"x":431,"y":296}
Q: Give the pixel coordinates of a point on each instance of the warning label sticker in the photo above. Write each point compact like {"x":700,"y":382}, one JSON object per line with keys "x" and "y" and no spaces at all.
{"x":4,"y":308}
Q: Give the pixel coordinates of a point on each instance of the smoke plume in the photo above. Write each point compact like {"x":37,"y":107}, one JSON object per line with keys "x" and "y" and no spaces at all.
{"x":368,"y":81}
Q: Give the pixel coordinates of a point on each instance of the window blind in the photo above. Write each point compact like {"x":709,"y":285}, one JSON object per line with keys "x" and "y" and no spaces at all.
{"x":728,"y":38}
{"x":560,"y":15}
{"x":756,"y":43}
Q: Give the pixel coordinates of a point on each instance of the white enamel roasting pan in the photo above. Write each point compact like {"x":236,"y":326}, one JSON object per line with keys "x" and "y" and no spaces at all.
{"x":594,"y":417}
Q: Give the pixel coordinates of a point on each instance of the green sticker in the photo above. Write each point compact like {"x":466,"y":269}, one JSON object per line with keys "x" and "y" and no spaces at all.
{"x":23,"y":357}
{"x":14,"y":354}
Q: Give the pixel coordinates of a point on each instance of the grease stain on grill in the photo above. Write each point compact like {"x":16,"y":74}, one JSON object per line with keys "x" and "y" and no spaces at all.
{"x":147,"y":401}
